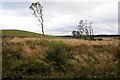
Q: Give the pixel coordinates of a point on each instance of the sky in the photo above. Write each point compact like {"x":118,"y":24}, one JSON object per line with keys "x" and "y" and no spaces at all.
{"x":61,"y":17}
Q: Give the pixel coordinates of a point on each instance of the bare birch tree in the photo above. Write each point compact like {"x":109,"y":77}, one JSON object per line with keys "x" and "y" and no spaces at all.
{"x":84,"y":29}
{"x":37,"y":9}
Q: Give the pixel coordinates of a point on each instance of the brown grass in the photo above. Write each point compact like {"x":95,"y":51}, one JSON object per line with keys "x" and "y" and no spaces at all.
{"x":86,"y":55}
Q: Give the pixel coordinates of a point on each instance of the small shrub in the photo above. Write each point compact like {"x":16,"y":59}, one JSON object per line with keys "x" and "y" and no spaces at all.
{"x":93,"y":38}
{"x":99,"y":39}
{"x":57,"y":53}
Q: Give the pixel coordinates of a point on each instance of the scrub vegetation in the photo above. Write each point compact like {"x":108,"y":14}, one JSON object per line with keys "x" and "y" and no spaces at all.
{"x":30,"y":57}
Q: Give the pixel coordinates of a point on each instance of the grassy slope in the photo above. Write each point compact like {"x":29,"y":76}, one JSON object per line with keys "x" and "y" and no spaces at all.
{"x":23,"y":33}
{"x":59,"y":58}
{"x":19,"y":33}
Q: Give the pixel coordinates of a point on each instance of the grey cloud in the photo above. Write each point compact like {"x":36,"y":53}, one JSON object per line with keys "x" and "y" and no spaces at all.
{"x":16,"y":8}
{"x":102,"y":23}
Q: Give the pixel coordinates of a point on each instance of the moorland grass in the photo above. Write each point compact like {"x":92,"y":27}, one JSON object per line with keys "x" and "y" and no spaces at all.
{"x":59,"y":60}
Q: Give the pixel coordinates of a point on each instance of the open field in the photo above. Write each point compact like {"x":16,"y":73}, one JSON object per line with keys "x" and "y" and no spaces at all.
{"x":32,"y":57}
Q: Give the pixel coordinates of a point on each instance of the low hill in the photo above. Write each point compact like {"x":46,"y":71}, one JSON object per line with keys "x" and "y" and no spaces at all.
{"x":21,"y":33}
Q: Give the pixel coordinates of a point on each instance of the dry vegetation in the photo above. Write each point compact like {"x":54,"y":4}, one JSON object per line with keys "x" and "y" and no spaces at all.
{"x":59,"y":57}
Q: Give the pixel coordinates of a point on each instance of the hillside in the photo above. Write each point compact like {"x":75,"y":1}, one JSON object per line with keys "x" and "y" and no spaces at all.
{"x":21,"y":33}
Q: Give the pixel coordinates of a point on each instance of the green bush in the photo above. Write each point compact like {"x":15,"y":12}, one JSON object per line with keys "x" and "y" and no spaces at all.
{"x":57,"y":53}
{"x":99,"y":39}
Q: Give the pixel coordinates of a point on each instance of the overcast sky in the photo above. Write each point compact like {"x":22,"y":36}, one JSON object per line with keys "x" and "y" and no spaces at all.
{"x":60,"y":17}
